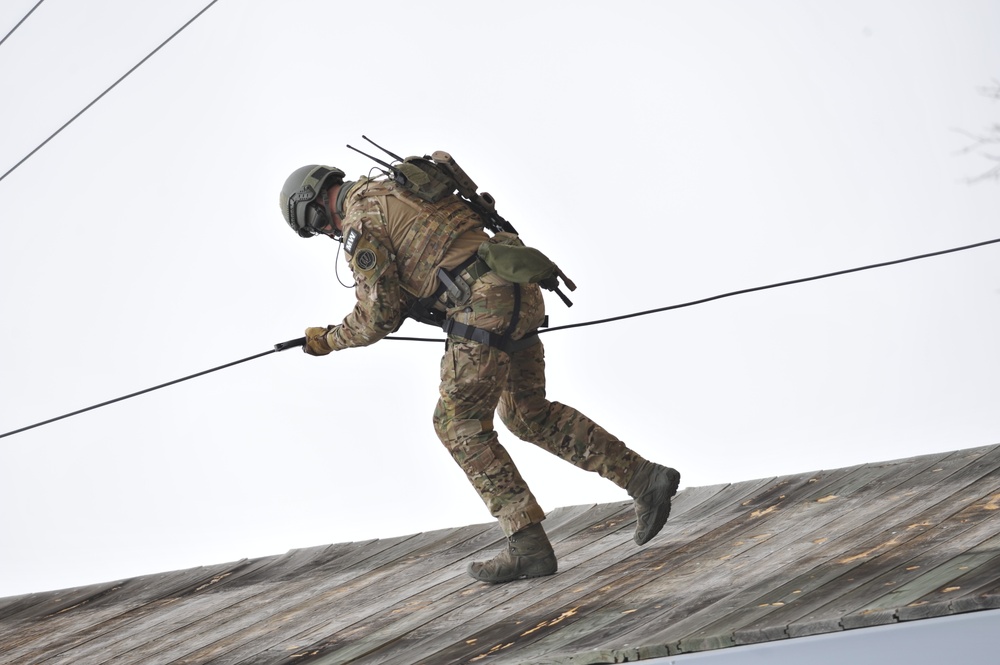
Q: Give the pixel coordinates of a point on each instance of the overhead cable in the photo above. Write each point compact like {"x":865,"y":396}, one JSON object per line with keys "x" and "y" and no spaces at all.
{"x":98,"y":98}
{"x":20,"y":22}
{"x":301,"y":341}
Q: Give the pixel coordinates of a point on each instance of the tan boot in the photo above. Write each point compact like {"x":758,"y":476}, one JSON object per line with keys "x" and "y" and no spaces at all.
{"x":528,"y":554}
{"x":652,"y":486}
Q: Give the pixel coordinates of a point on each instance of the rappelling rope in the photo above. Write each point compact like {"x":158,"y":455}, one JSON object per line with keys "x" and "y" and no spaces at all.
{"x":299,"y":342}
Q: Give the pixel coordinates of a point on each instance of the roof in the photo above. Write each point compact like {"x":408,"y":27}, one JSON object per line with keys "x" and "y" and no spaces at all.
{"x":736,"y":564}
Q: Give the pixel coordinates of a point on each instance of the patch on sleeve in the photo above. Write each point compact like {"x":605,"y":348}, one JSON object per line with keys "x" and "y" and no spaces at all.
{"x":370,"y":257}
{"x":351,"y":240}
{"x":366,"y":259}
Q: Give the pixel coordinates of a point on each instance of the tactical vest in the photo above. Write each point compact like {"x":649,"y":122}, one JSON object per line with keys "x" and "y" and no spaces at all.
{"x":434,"y":228}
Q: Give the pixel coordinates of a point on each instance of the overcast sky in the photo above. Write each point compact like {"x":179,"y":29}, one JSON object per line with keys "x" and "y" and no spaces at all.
{"x":660,"y":152}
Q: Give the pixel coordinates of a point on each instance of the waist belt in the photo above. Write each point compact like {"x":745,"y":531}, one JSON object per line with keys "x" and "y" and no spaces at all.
{"x":502,"y":342}
{"x":455,"y":288}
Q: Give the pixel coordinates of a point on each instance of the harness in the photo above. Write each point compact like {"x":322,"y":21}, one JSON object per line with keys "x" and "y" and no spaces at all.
{"x":455,"y":286}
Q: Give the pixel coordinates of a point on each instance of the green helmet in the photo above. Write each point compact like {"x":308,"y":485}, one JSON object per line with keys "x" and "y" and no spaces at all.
{"x":299,"y":196}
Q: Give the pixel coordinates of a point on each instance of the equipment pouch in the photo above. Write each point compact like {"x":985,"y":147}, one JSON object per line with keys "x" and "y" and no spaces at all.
{"x":508,"y":257}
{"x":425,"y":179}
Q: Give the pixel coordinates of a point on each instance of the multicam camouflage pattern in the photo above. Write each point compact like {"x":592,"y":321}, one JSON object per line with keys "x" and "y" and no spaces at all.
{"x":476,"y":379}
{"x":421,"y":231}
{"x":395,"y":243}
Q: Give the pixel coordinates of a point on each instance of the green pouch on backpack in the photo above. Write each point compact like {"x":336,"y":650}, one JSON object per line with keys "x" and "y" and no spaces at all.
{"x":507,"y":256}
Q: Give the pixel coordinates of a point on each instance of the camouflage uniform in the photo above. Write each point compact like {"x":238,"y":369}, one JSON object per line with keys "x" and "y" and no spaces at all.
{"x":395,"y":244}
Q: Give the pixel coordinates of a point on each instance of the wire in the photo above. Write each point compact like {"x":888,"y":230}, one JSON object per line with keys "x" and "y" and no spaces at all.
{"x":772,"y":286}
{"x":98,"y":98}
{"x":736,"y":293}
{"x":136,"y":394}
{"x":281,"y":347}
{"x":20,"y":22}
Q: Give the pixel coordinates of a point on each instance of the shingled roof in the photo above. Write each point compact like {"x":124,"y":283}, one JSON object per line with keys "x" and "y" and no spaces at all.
{"x":737,"y":564}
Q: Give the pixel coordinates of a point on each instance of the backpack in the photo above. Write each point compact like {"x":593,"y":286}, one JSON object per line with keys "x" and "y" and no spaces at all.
{"x":435,"y":176}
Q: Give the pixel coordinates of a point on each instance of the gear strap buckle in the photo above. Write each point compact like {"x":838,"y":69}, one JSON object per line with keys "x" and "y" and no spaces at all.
{"x":457,"y":289}
{"x":502,"y":342}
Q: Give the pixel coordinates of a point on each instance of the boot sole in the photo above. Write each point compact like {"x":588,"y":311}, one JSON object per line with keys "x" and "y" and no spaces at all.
{"x":521,"y":576}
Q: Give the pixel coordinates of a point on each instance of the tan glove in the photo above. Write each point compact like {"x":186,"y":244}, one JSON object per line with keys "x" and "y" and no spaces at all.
{"x":316,"y":344}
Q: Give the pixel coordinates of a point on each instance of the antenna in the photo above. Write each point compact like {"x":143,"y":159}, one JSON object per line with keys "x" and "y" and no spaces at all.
{"x":374,"y":159}
{"x":396,"y":174}
{"x":391,"y":154}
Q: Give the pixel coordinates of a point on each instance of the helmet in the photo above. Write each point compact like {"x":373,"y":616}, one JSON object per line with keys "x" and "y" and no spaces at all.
{"x":299,"y":196}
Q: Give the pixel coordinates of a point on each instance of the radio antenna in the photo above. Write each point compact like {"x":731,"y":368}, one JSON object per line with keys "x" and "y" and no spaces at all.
{"x":391,"y":154}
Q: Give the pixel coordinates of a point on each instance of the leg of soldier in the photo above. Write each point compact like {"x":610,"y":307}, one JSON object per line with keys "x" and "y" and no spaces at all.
{"x":564,"y":431}
{"x":472,"y":378}
{"x":558,"y":428}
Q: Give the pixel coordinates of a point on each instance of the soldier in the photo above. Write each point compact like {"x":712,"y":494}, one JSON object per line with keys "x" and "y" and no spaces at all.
{"x":403,"y":251}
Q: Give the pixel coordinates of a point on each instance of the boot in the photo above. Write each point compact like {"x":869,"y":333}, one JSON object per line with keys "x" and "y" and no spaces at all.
{"x":651,"y":487}
{"x":528,"y":554}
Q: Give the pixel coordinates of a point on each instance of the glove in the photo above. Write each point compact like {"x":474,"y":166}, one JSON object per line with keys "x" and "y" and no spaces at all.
{"x":316,"y":344}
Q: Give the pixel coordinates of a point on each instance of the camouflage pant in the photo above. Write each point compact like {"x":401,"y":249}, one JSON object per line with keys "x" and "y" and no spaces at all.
{"x":477,"y":380}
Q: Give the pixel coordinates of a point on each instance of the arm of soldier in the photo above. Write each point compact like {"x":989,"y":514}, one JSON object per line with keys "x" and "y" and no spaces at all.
{"x":379,"y":303}
{"x":375,"y":315}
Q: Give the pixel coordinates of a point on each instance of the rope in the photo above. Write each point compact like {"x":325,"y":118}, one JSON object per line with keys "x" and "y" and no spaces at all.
{"x":295,"y":343}
{"x":773,"y":286}
{"x":141,"y":392}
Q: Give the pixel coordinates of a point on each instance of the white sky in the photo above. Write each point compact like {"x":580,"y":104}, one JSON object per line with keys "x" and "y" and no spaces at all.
{"x":661,"y":152}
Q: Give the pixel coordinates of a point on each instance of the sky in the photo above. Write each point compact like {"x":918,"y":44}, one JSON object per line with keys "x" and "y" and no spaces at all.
{"x":660,"y":152}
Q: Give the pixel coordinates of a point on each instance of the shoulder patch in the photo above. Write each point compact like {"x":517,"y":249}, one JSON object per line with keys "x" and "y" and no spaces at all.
{"x":370,"y":258}
{"x":351,"y":240}
{"x":366,"y":259}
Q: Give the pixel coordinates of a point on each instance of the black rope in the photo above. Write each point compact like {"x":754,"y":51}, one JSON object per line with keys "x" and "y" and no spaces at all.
{"x":772,"y":286}
{"x":299,"y":342}
{"x":98,"y":98}
{"x":136,"y":394}
{"x":25,"y":18}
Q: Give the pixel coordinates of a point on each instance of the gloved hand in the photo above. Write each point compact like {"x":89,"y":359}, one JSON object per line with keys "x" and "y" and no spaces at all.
{"x":316,"y":344}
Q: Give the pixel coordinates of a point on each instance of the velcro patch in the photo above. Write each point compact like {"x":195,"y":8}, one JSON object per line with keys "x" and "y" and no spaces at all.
{"x":351,"y":241}
{"x":370,"y":258}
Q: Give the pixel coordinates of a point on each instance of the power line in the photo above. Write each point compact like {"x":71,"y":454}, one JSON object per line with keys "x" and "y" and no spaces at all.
{"x":301,"y":341}
{"x":98,"y":98}
{"x":20,"y":22}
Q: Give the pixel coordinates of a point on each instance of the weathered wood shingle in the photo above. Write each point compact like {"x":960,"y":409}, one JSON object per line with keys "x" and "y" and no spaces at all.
{"x":737,"y":564}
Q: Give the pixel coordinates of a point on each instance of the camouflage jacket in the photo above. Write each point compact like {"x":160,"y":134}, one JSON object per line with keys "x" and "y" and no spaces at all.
{"x":395,"y":242}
